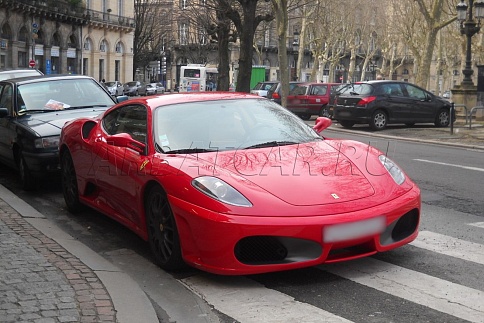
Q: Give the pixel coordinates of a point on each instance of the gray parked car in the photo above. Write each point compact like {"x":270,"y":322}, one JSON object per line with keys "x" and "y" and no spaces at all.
{"x":115,"y":88}
{"x":133,"y":88}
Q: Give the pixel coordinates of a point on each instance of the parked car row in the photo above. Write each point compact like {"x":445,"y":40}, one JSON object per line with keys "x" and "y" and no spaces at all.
{"x":376,"y":103}
{"x":136,"y":88}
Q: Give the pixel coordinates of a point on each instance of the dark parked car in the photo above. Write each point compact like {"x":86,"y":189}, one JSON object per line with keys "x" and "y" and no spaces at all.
{"x":32,"y":112}
{"x":274,"y":93}
{"x":6,"y":74}
{"x":311,"y":98}
{"x":379,"y":103}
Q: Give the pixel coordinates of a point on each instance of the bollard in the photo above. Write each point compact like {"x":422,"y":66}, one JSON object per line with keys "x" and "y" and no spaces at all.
{"x":452,"y":111}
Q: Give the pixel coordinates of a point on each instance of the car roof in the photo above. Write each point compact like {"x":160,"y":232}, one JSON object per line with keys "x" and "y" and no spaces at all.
{"x":43,"y":78}
{"x":10,"y":73}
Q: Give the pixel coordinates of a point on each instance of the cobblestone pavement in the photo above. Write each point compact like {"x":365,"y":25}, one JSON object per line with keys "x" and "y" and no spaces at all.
{"x":41,"y":282}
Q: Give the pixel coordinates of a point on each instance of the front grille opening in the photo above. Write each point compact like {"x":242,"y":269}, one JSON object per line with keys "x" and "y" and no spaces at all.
{"x":405,"y":226}
{"x":401,"y":229}
{"x":263,"y":250}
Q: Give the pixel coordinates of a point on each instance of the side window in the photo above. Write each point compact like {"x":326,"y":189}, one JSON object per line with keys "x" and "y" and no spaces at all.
{"x":415,"y":92}
{"x":6,"y":98}
{"x":128,"y":119}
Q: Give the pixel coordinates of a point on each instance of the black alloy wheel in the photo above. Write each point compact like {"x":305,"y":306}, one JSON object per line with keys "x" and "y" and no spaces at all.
{"x":70,"y":189}
{"x":443,"y":118}
{"x":26,"y":179}
{"x":325,"y":112}
{"x":162,"y":232}
{"x":379,"y":120}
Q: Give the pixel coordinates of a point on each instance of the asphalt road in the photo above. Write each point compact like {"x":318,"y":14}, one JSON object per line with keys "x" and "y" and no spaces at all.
{"x":438,"y":278}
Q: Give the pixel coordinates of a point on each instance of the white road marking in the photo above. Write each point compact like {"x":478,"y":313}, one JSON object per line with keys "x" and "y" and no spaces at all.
{"x":477,"y":224}
{"x":450,"y":246}
{"x":447,"y":297}
{"x":248,"y":301}
{"x":453,"y":165}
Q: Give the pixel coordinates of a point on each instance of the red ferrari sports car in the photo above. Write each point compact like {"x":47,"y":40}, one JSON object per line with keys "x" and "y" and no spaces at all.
{"x":235,"y":184}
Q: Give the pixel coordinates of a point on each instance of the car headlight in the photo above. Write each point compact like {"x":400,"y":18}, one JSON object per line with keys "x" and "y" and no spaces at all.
{"x":392,"y":168}
{"x":219,"y":190}
{"x":47,"y":142}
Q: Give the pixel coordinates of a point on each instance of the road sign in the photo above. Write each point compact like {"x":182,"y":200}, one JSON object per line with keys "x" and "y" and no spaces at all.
{"x":32,"y":63}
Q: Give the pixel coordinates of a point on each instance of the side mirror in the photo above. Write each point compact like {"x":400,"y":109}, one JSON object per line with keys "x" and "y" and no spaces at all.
{"x":125,"y":140}
{"x":321,"y":123}
{"x":3,"y":112}
{"x":121,"y":98}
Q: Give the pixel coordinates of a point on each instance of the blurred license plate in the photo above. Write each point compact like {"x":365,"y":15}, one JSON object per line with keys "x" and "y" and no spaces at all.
{"x":344,"y":114}
{"x":353,"y":230}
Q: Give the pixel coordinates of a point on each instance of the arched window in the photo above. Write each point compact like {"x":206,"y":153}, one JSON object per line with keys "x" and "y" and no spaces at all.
{"x":23,"y":34}
{"x":56,"y":40}
{"x":103,"y":47}
{"x":119,"y":48}
{"x":6,"y":31}
{"x":87,"y":44}
{"x":72,"y":42}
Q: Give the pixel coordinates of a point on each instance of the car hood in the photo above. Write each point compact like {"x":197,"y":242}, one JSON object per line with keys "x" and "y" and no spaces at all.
{"x":51,"y":123}
{"x":319,"y":173}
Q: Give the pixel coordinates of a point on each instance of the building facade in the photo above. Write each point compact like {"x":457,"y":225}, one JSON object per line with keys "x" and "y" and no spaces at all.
{"x":68,"y":37}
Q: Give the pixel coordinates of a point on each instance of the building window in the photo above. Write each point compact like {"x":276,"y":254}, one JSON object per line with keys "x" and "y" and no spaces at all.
{"x":103,"y":46}
{"x":120,"y":7}
{"x":22,"y":59}
{"x":87,"y":44}
{"x":117,"y":70}
{"x":101,"y":69}
{"x":85,"y":66}
{"x":183,"y":4}
{"x":119,"y":47}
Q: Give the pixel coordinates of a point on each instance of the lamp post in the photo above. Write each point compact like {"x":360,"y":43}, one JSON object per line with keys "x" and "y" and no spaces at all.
{"x":295,"y":49}
{"x":469,"y":27}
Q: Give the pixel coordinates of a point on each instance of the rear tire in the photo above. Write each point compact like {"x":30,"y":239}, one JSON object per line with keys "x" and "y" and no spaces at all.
{"x":379,"y":120}
{"x":305,"y":116}
{"x":442,"y":119}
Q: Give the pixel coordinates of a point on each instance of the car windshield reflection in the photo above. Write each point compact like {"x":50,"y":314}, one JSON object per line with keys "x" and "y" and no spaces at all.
{"x":227,"y":125}
{"x":61,"y":94}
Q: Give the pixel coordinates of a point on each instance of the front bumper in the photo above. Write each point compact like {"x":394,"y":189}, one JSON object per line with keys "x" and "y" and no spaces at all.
{"x":241,"y":245}
{"x":42,"y":165}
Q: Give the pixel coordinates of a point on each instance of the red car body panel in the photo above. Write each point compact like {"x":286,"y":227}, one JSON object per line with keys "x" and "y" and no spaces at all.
{"x":296,"y":191}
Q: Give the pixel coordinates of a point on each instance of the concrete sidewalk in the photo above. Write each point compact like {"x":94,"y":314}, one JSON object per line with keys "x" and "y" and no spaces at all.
{"x":47,"y":276}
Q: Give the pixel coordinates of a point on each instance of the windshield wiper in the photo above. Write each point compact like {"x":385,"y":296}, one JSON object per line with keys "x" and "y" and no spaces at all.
{"x":272,"y":144}
{"x":34,"y":111}
{"x":190,"y":151}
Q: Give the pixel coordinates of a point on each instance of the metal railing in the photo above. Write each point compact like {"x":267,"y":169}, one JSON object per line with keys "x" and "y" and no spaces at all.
{"x":472,"y":111}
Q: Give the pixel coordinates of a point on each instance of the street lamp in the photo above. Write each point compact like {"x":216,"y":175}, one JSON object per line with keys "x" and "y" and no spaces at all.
{"x":295,"y":49}
{"x":469,"y":28}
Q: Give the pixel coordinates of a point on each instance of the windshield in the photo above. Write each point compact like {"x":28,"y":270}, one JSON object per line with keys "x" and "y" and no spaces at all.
{"x":228,"y":125}
{"x":110,"y":84}
{"x":131,"y":83}
{"x":62,"y":94}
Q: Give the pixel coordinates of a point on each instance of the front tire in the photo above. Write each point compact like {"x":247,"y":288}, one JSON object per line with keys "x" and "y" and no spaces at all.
{"x":442,"y":119}
{"x":26,"y":179}
{"x":70,"y":189}
{"x":379,"y":120}
{"x":162,"y":231}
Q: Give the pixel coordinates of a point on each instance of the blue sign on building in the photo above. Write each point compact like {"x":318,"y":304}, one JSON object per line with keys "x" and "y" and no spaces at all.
{"x":47,"y":67}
